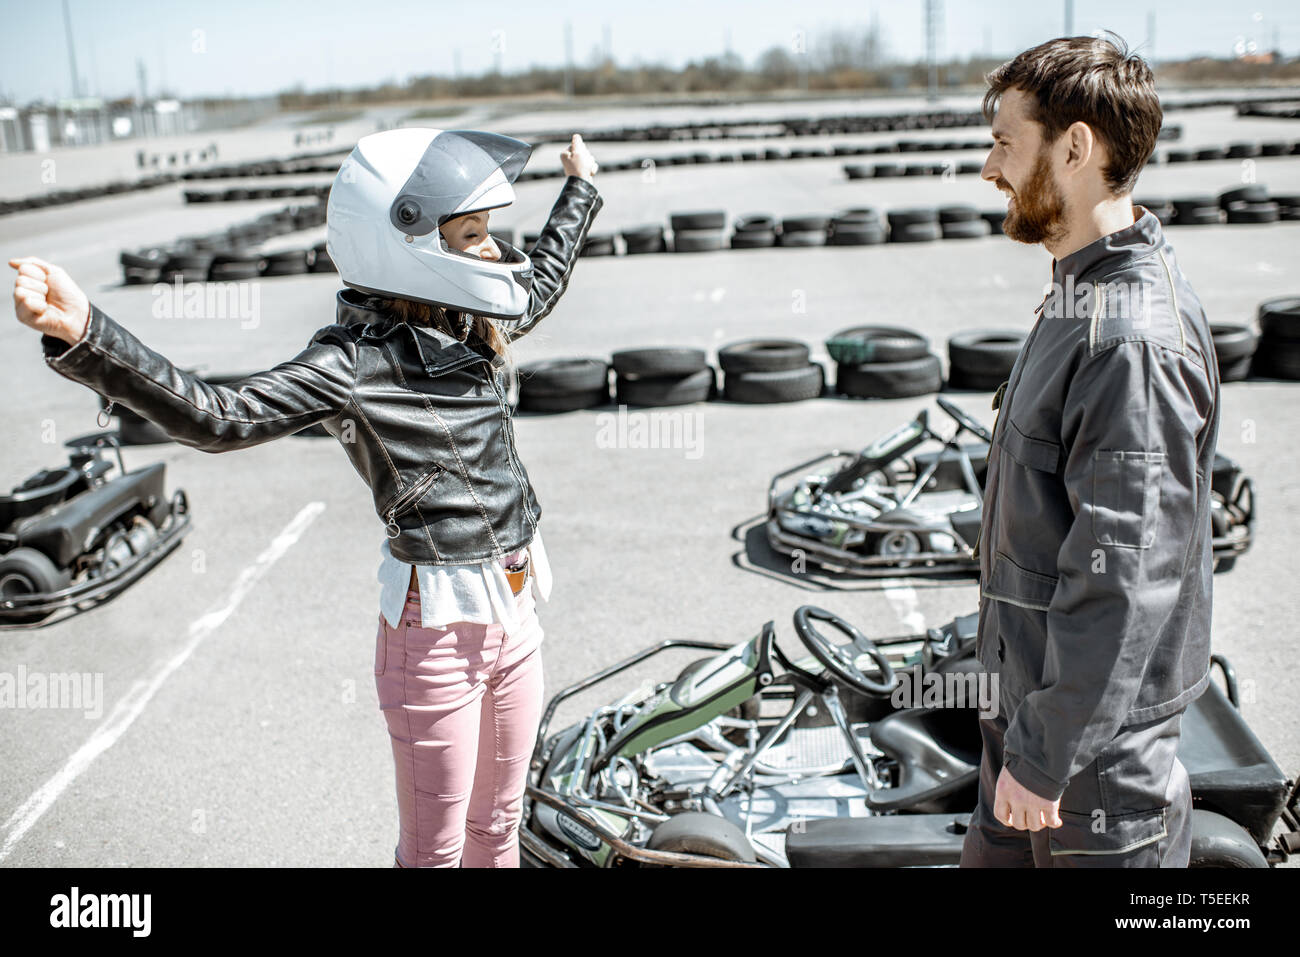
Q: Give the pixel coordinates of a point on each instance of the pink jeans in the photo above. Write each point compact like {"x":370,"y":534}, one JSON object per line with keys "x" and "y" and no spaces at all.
{"x":463,"y":705}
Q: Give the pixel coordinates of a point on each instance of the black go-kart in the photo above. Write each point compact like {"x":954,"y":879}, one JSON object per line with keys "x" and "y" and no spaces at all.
{"x":751,"y":759}
{"x":896,"y":508}
{"x":72,"y":537}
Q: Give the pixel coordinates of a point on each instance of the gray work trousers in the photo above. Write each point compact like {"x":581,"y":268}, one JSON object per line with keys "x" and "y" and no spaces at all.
{"x":1131,"y":807}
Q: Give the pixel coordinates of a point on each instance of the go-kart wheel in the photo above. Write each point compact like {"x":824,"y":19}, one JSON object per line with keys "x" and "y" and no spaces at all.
{"x":841,"y":660}
{"x":1218,"y":841}
{"x":696,"y":832}
{"x":910,"y":538}
{"x":964,"y":420}
{"x":27,"y":571}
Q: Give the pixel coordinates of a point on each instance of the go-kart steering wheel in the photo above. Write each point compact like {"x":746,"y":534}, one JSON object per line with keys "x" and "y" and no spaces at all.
{"x":840,"y":660}
{"x":964,"y":420}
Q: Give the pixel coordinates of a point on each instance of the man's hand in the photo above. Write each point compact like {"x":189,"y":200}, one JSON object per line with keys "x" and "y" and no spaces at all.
{"x":1016,"y":806}
{"x":46,"y":298}
{"x":578,"y":161}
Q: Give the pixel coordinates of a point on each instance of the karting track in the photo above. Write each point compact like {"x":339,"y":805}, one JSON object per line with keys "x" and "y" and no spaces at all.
{"x":239,"y":723}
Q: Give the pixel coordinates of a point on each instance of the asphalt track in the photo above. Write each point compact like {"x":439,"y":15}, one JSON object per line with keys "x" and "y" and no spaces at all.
{"x":239,"y":724}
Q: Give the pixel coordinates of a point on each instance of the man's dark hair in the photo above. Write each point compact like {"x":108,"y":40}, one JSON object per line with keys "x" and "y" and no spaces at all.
{"x":1091,"y":80}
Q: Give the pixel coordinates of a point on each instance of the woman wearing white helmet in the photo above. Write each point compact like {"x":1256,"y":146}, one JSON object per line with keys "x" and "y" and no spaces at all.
{"x":410,"y":379}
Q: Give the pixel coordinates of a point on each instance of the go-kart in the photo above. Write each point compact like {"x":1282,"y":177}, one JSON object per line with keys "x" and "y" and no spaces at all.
{"x":897,"y":509}
{"x":70,"y":537}
{"x":751,"y":759}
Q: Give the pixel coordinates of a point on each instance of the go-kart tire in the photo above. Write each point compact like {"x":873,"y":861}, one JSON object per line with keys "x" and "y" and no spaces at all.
{"x":600,"y":244}
{"x":1268,"y":212}
{"x":1253,"y":193}
{"x":1220,"y":842}
{"x":859,"y":344}
{"x":762,"y":355}
{"x":666,"y":390}
{"x":805,"y":237}
{"x":659,"y":361}
{"x":958,"y":214}
{"x":1232,"y":342}
{"x":563,"y":376}
{"x":707,"y":220}
{"x":695,"y":832}
{"x":753,"y":239}
{"x":960,"y":379}
{"x":696,"y":240}
{"x":28,"y":571}
{"x":986,"y":351}
{"x":785,"y":385}
{"x":857,"y":233}
{"x":972,"y":229}
{"x":890,"y":380}
{"x":755,"y":223}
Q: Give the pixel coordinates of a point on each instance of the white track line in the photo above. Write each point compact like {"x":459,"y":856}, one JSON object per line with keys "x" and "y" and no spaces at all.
{"x":906,"y":604}
{"x":133,"y":702}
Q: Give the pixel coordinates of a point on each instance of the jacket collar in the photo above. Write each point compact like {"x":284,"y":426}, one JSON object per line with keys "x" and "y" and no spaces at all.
{"x":1113,"y":250}
{"x":436,"y":349}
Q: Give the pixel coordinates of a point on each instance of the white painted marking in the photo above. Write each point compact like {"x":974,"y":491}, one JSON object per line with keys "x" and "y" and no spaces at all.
{"x":906,"y":603}
{"x":134,"y":701}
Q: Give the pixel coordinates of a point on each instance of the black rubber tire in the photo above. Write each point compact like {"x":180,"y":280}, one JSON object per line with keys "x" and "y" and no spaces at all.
{"x":755,"y":222}
{"x":695,"y":832}
{"x":697,"y":240}
{"x":884,"y":170}
{"x":661,"y":361}
{"x":1233,"y":342}
{"x":890,"y":380}
{"x":856,"y":216}
{"x":1220,"y":842}
{"x":899,"y":218}
{"x":995,"y":218}
{"x":290,"y":263}
{"x":753,"y":239}
{"x":857,"y":171}
{"x":712,"y":219}
{"x":859,"y":344}
{"x":1280,"y":318}
{"x":805,"y":224}
{"x":639,"y":245}
{"x":1212,"y":153}
{"x":667,"y":390}
{"x":565,"y":401}
{"x":28,"y":571}
{"x":1235,"y":370}
{"x":971,"y":229}
{"x":1197,"y":211}
{"x":1253,"y":193}
{"x":960,"y":379}
{"x":762,"y":355}
{"x":1254,"y":212}
{"x":915,"y":233}
{"x":786,"y":385}
{"x":598,"y":244}
{"x":958,"y":214}
{"x":1276,"y":358}
{"x":853,"y":233}
{"x":802,"y":238}
{"x":1243,"y":150}
{"x":986,"y":351}
{"x":563,"y":376}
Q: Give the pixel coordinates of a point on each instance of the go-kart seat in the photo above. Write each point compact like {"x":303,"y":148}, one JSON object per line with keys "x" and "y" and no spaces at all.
{"x":938,"y":754}
{"x":948,"y":474}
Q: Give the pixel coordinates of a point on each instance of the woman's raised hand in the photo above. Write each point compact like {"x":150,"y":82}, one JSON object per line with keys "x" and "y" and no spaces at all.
{"x":46,"y":298}
{"x":578,"y":161}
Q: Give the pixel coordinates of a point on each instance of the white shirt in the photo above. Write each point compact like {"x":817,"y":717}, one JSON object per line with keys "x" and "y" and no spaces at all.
{"x":448,"y":593}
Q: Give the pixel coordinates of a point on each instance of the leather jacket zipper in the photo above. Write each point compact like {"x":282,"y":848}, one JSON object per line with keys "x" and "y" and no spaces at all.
{"x":510,"y":446}
{"x":408,"y":497}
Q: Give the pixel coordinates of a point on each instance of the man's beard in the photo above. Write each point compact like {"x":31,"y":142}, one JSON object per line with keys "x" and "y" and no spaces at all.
{"x":1039,"y":213}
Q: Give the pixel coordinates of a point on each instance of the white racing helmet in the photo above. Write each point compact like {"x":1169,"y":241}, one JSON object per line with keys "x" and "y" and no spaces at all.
{"x":393,"y":192}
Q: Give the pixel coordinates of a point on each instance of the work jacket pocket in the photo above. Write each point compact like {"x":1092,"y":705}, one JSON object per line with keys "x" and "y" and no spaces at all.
{"x":1028,"y":451}
{"x":1126,"y":496}
{"x":1101,"y":833}
{"x":1010,"y":582}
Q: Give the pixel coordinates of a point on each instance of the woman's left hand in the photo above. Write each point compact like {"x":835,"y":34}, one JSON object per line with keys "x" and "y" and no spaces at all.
{"x":578,"y":161}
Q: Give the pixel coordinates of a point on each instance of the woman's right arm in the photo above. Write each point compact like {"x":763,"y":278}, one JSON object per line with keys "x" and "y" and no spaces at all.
{"x":91,"y":348}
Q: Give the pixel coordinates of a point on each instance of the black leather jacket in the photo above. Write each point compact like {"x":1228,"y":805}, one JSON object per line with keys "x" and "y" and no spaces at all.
{"x":423,"y":417}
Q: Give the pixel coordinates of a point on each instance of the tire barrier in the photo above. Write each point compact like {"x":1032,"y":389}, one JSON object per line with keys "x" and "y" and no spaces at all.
{"x":662,"y":376}
{"x":981,"y":360}
{"x":1234,"y":349}
{"x":890,"y":380}
{"x":229,"y":255}
{"x":61,"y":197}
{"x":563,"y":385}
{"x":769,"y":370}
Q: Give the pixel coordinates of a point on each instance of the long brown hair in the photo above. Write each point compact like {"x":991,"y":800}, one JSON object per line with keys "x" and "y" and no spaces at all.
{"x":427,"y":314}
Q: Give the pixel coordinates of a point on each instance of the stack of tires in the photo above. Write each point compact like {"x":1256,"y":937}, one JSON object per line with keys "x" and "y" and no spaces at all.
{"x":916,"y":225}
{"x":663,"y":376}
{"x":644,"y":239}
{"x":320,"y":258}
{"x":1234,"y":347}
{"x":857,"y":227}
{"x":769,"y":370}
{"x":804,"y":231}
{"x":1197,"y":211}
{"x":563,"y":385}
{"x":962,"y":222}
{"x":1278,"y":354}
{"x":995,"y":218}
{"x":1162,"y":209}
{"x":598,"y":244}
{"x":697,"y":231}
{"x":981,"y":359}
{"x":753,"y":232}
{"x":883,"y":362}
{"x":1249,"y":204}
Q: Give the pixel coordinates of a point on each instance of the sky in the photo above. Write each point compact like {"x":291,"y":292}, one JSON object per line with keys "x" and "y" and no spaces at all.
{"x":256,"y":47}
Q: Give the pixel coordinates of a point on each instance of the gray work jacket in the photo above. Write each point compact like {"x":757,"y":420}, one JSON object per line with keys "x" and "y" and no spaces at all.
{"x":1094,"y":550}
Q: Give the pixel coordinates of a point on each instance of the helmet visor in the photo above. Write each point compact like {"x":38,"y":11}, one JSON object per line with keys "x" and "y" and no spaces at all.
{"x":461,"y":171}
